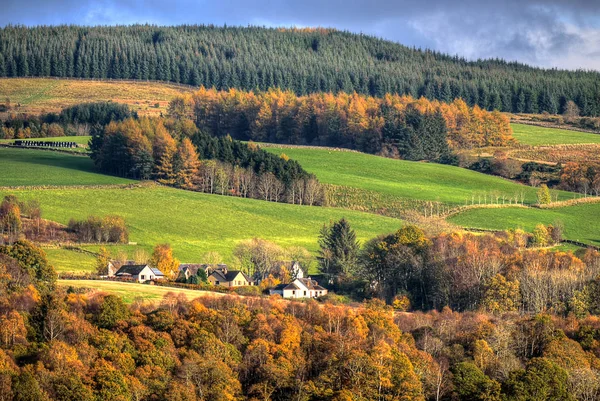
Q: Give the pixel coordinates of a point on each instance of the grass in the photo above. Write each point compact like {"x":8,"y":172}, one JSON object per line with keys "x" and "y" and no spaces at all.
{"x":195,"y":223}
{"x":81,"y":140}
{"x":400,"y":178}
{"x":536,"y":136}
{"x":129,"y":292}
{"x":20,"y":167}
{"x":581,"y":221}
{"x":68,"y":261}
{"x":42,"y":95}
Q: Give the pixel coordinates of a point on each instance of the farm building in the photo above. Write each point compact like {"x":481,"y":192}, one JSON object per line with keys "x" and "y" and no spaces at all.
{"x":139,"y":273}
{"x":300,"y":288}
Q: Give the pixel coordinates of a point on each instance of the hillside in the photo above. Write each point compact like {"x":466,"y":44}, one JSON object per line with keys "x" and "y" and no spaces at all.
{"x":195,"y":223}
{"x":45,"y":95}
{"x":303,"y":60}
{"x":403,"y":179}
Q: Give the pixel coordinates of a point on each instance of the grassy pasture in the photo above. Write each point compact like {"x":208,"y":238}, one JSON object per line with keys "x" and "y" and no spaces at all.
{"x":536,"y":136}
{"x":28,"y":167}
{"x":581,"y":221}
{"x":67,"y":261}
{"x":195,"y":223}
{"x":132,"y":291}
{"x":42,"y":95}
{"x":400,"y":178}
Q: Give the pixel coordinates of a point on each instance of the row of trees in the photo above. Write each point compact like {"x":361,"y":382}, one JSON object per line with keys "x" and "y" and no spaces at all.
{"x":494,"y":272}
{"x":304,"y":61}
{"x":109,"y":229}
{"x":399,"y":126}
{"x":146,"y":149}
{"x":57,"y":344}
{"x":71,"y":121}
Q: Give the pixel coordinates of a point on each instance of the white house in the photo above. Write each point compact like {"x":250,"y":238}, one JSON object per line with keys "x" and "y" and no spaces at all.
{"x":300,"y":288}
{"x":139,"y":273}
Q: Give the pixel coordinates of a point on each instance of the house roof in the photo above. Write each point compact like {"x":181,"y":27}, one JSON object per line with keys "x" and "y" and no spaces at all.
{"x":279,"y":287}
{"x":229,"y":276}
{"x":291,"y":286}
{"x":310,"y":284}
{"x":132,"y":270}
{"x":194,"y":267}
{"x":156,"y":271}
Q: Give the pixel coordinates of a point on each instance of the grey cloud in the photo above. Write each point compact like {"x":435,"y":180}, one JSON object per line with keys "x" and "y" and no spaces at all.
{"x":550,"y":33}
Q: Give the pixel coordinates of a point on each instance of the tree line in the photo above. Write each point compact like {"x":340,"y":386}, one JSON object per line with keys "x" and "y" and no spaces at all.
{"x":396,"y":126}
{"x":176,"y":153}
{"x":498,"y":273}
{"x":59,"y":344}
{"x":71,"y":121}
{"x":302,"y":60}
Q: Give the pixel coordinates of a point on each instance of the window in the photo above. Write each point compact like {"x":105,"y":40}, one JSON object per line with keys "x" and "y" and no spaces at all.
{"x":143,"y":277}
{"x":216,"y":283}
{"x":304,"y":293}
{"x":294,"y":292}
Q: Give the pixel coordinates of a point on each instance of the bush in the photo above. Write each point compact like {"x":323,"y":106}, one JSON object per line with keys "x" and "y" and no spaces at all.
{"x":248,"y":291}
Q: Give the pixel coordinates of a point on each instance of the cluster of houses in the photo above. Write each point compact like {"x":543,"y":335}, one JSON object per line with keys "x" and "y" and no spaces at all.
{"x":218,"y":275}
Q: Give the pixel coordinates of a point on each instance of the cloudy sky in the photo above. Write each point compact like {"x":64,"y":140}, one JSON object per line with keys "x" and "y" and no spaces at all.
{"x":551,"y":33}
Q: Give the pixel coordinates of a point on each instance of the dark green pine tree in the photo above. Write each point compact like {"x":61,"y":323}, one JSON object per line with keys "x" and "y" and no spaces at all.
{"x":338,"y":254}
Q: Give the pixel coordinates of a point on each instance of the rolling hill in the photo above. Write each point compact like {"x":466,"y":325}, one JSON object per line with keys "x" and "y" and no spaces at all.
{"x":302,"y":60}
{"x":403,"y":179}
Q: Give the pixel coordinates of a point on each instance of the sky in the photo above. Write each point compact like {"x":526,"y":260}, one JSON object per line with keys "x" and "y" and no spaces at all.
{"x":551,"y":33}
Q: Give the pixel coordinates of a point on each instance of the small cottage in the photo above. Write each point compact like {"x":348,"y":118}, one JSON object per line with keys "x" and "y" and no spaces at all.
{"x":300,"y":288}
{"x":139,"y":273}
{"x":229,"y":278}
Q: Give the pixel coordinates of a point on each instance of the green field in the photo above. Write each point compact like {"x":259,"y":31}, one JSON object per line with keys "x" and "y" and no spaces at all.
{"x":581,"y":221}
{"x":67,"y":261}
{"x":81,"y":140}
{"x":400,"y":178}
{"x":132,"y":291}
{"x":536,"y":136}
{"x":195,"y":223}
{"x":20,"y":167}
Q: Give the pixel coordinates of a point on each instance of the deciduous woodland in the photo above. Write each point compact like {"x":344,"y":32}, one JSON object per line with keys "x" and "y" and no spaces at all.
{"x":302,"y":60}
{"x":61,"y":345}
{"x":399,"y":126}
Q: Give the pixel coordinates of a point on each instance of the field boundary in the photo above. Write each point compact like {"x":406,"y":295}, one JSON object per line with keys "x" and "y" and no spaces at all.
{"x":543,"y":124}
{"x":143,"y":184}
{"x":50,"y":148}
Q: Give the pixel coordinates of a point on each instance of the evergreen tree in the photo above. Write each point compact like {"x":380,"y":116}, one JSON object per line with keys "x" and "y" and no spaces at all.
{"x":338,"y":255}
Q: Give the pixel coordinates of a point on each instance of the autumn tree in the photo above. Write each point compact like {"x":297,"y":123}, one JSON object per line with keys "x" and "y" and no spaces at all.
{"x":186,"y":164}
{"x":163,"y":260}
{"x":543,"y":195}
{"x":471,"y":384}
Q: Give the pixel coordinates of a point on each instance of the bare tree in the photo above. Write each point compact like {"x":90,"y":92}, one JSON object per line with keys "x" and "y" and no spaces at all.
{"x":312,"y":191}
{"x":571,"y":111}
